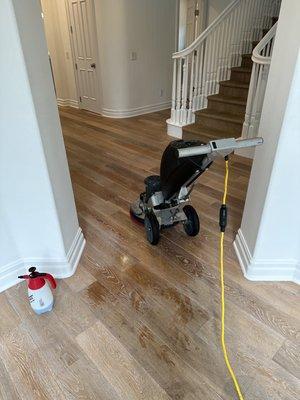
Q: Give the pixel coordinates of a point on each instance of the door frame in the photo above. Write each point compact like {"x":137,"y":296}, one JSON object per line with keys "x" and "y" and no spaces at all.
{"x":99,"y":99}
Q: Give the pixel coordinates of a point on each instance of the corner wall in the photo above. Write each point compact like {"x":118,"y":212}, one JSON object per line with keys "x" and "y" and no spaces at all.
{"x":39,"y":223}
{"x":268,"y":242}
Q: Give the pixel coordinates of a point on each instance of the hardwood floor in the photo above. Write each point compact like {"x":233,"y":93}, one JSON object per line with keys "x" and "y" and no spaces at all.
{"x":143,"y":322}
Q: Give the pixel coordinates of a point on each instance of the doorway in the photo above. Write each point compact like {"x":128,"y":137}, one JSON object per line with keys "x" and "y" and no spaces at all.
{"x":83,"y":36}
{"x":71,"y":35}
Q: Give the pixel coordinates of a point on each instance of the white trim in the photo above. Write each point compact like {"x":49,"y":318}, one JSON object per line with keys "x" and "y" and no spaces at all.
{"x":266,"y":269}
{"x":59,"y":268}
{"x":132,"y":112}
{"x":173,"y":129}
{"x":68,"y":103}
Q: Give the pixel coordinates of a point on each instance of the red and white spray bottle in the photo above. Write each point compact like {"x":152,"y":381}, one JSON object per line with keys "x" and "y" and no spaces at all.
{"x":39,"y":292}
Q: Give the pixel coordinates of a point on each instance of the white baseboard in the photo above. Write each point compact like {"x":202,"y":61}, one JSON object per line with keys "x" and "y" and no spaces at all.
{"x":132,"y":112}
{"x":68,"y":103}
{"x":266,"y":269}
{"x":59,"y":268}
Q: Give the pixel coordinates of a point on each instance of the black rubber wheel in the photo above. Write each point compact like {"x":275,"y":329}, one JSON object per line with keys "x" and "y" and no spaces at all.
{"x":192,"y":224}
{"x":152,"y":228}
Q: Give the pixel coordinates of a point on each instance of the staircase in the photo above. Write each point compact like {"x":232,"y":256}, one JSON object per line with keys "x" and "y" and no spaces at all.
{"x":225,"y":112}
{"x":212,"y":76}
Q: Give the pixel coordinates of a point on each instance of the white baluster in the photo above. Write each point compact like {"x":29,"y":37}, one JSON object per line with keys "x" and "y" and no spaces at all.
{"x":173,"y":107}
{"x":249,"y":107}
{"x":183,"y":114}
{"x":179,"y":91}
{"x":191,"y":94}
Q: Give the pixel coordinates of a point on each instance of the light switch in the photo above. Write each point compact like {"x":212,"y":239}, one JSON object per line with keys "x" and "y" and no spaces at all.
{"x":133,"y":56}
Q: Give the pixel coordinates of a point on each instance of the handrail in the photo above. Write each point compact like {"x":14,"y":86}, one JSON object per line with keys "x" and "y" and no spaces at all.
{"x":188,"y":50}
{"x":256,"y":56}
{"x":261,"y":57}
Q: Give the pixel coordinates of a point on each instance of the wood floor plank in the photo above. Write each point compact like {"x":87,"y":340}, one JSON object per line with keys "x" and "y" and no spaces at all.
{"x":27,"y":367}
{"x":118,"y":366}
{"x":288,"y":356}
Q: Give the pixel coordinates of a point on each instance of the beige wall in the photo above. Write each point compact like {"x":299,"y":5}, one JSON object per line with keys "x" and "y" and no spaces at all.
{"x":148,"y":29}
{"x":59,"y":47}
{"x":215,"y":7}
{"x":123,"y":26}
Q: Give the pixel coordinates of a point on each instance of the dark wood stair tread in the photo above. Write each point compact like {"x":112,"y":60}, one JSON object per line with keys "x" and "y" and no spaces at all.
{"x":222,"y":116}
{"x":227,"y":99}
{"x":232,"y":83}
{"x":242,"y":69}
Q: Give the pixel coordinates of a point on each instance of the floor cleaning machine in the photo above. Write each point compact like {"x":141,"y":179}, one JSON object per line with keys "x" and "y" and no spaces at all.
{"x":165,"y":201}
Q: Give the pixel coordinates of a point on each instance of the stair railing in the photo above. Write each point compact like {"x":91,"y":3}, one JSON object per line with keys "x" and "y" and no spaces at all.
{"x":198,"y":69}
{"x":261,"y":58}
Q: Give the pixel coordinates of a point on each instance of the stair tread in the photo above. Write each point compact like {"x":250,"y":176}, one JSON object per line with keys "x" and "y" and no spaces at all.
{"x":242,"y":69}
{"x":227,"y":99}
{"x":223,"y":116}
{"x":232,"y":83}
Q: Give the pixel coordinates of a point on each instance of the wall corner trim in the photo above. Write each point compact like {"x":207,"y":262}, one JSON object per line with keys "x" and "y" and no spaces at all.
{"x":132,"y":112}
{"x":270,"y":270}
{"x":59,"y":268}
{"x":67,"y":103}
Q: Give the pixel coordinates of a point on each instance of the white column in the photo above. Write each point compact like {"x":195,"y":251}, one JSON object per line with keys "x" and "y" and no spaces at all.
{"x":39,"y":223}
{"x":268,"y":242}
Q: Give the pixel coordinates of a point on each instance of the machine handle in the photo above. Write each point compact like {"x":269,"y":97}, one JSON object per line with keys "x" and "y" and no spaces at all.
{"x":220,"y":145}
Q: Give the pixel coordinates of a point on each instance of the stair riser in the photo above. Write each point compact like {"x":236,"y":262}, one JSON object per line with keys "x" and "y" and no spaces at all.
{"x":240,"y":76}
{"x":247,"y":62}
{"x":224,"y":126}
{"x":226,"y":107}
{"x":242,"y":93}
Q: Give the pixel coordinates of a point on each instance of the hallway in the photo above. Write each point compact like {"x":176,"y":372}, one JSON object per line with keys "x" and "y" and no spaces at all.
{"x":142,"y":322}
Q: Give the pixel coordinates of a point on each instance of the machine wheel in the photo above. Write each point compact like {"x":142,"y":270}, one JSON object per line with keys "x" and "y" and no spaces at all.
{"x":152,"y":228}
{"x":192,"y":224}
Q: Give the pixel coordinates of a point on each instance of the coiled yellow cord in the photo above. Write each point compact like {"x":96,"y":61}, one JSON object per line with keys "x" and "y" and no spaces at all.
{"x":232,"y":374}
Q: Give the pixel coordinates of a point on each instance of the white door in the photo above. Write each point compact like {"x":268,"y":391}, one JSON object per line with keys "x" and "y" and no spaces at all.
{"x":84,"y":40}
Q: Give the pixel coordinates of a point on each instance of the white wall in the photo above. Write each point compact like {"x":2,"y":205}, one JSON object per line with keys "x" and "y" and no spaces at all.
{"x":215,"y":7}
{"x":39,"y":223}
{"x":268,"y":242}
{"x":211,"y":8}
{"x":59,"y":46}
{"x":147,"y":28}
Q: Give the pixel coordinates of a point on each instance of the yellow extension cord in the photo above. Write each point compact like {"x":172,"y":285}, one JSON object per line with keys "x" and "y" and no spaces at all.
{"x":232,"y":374}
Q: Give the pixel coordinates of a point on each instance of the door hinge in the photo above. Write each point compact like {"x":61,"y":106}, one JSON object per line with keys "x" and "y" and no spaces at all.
{"x":71,"y":29}
{"x":76,"y":66}
{"x":80,"y":99}
{"x":196,"y":13}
